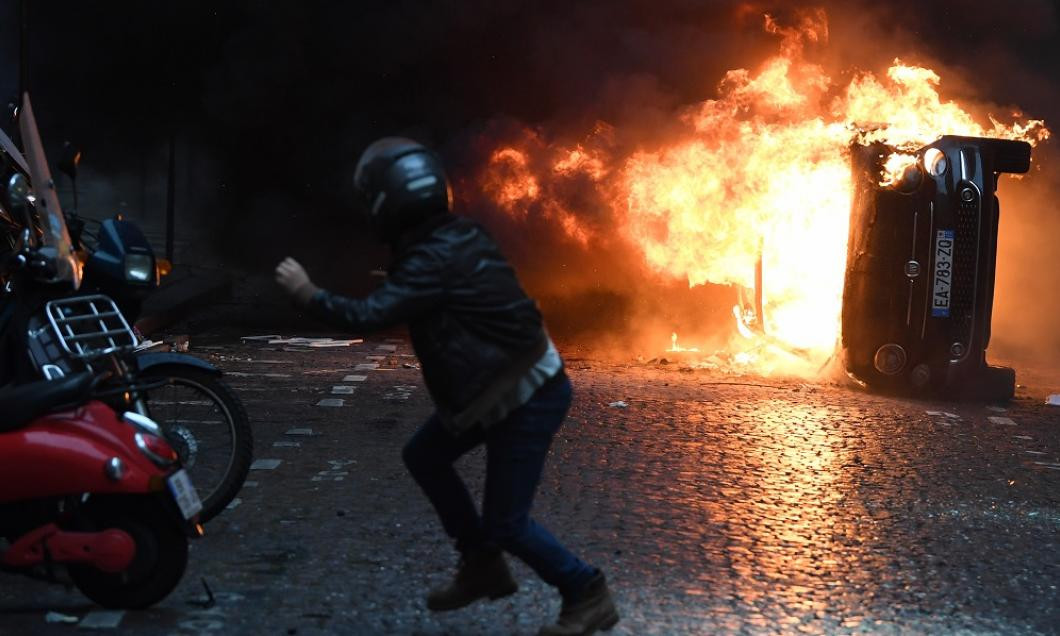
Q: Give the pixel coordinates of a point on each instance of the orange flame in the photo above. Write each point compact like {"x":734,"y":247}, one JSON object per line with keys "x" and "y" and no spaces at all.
{"x":763,"y":172}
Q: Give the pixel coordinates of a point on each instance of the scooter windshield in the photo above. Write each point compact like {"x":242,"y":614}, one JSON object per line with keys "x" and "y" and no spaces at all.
{"x":11,"y":150}
{"x":56,"y":237}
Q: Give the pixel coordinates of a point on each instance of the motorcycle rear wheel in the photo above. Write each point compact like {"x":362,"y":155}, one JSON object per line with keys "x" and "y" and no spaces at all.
{"x":206,"y":423}
{"x":161,"y":553}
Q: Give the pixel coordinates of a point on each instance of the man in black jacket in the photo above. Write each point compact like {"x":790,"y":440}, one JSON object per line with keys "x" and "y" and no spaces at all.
{"x":491,"y":369}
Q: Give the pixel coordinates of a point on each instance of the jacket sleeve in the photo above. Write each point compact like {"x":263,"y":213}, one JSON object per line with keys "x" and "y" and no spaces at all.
{"x":414,"y":286}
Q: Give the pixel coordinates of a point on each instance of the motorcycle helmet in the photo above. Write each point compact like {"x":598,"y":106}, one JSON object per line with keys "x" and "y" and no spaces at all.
{"x":400,"y":184}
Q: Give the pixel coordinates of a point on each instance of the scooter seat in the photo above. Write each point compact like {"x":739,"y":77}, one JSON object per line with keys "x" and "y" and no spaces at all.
{"x":23,"y":403}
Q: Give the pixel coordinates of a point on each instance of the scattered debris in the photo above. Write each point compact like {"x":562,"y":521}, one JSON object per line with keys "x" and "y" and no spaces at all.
{"x":102,"y":619}
{"x":315,"y":342}
{"x":180,"y":343}
{"x":1053,"y":400}
{"x":210,"y":600}
{"x":332,"y":402}
{"x":265,"y":464}
{"x":1003,"y":421}
{"x":149,"y":344}
{"x":56,"y":617}
{"x":619,"y":405}
{"x":411,"y":365}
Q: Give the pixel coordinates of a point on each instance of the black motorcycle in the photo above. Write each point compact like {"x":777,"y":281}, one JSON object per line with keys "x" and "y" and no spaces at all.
{"x":202,"y":418}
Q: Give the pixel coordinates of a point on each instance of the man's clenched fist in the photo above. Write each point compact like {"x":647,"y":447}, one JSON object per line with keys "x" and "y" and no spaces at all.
{"x":292,"y":277}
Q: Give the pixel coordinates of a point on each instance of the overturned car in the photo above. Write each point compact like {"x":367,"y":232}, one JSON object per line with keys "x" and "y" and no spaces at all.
{"x":919,"y":286}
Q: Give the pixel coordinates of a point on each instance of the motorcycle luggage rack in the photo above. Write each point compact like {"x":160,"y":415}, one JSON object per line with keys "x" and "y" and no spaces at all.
{"x":90,"y":327}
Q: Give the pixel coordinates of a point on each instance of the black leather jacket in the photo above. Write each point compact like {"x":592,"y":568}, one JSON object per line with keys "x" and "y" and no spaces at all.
{"x":474,"y":329}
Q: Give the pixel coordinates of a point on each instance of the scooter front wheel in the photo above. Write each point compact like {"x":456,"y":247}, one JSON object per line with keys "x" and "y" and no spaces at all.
{"x":160,"y":560}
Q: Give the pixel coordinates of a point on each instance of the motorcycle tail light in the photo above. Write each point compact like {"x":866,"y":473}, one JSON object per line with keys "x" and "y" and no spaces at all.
{"x":156,"y":449}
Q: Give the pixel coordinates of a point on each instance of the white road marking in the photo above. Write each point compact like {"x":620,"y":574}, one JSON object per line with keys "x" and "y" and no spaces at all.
{"x":944,"y":413}
{"x":355,"y":378}
{"x":265,"y":464}
{"x":342,"y":390}
{"x":387,"y":348}
{"x":400,"y":392}
{"x":101,"y":619}
{"x":285,"y":444}
{"x":1002,"y":421}
{"x":300,"y":431}
{"x":367,"y":366}
{"x":335,"y":473}
{"x":331,"y":402}
{"x":234,"y":504}
{"x":242,"y":374}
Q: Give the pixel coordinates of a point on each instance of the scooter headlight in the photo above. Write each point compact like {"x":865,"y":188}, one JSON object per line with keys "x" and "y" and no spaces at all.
{"x":139,"y":267}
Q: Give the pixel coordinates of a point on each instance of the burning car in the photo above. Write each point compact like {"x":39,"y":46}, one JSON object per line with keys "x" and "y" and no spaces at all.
{"x":921,"y":255}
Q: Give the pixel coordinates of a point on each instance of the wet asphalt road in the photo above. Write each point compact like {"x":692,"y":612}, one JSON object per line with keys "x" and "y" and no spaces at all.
{"x":715,"y":504}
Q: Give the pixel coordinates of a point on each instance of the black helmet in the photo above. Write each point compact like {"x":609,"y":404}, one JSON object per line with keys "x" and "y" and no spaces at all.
{"x":400,"y":183}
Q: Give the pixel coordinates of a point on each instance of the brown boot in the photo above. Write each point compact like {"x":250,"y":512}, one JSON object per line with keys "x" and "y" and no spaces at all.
{"x":481,"y":574}
{"x":586,"y":612}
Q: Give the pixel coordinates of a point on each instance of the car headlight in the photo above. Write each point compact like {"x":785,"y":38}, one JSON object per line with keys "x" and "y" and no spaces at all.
{"x":139,"y":267}
{"x":935,"y":162}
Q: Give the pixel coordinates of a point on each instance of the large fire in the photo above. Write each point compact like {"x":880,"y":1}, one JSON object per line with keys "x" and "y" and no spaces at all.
{"x":757,"y":195}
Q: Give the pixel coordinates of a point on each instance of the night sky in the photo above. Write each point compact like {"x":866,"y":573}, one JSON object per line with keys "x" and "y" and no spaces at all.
{"x":271,"y":102}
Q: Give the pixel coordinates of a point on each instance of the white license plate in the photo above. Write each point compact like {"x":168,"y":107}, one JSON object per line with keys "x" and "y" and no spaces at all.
{"x":940,"y":304}
{"x":184,"y":492}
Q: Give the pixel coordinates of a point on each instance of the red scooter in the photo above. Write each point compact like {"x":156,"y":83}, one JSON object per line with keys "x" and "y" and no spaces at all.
{"x":104,"y":496}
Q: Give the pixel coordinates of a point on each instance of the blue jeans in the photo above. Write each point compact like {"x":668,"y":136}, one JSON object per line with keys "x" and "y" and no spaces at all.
{"x":515,"y":456}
